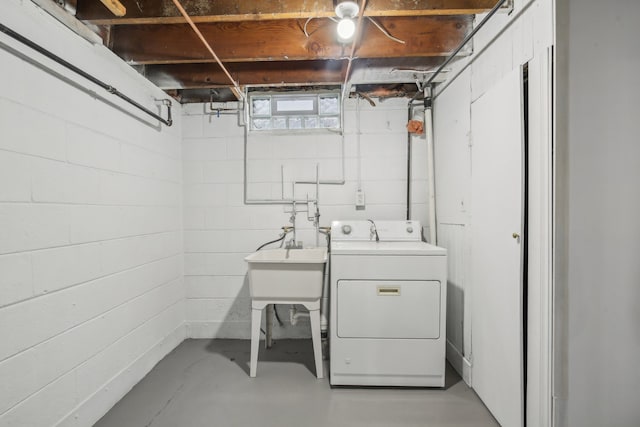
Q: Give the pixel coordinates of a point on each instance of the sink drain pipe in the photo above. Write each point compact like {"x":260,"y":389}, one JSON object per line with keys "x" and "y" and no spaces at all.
{"x":295,"y":315}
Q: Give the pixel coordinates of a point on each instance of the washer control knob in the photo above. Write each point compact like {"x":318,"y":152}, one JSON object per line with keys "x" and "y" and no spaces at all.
{"x":346,"y":229}
{"x":409,"y":229}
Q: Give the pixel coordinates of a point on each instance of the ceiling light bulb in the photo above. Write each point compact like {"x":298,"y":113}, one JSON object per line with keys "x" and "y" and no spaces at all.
{"x":346,"y":29}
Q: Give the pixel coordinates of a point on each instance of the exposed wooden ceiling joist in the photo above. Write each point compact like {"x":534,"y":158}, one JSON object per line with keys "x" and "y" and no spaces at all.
{"x":257,"y":73}
{"x":164,"y":12}
{"x":191,"y":76}
{"x":115,"y":7}
{"x":284,"y":40}
{"x":273,"y":43}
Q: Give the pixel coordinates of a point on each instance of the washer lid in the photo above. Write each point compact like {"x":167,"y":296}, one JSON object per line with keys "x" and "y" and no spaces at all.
{"x":386,"y":248}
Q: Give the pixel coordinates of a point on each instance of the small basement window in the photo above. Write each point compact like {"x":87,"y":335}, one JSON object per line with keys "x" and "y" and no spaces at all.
{"x":295,"y":111}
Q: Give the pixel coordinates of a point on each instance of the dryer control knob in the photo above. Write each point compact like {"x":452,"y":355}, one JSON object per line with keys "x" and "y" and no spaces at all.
{"x":346,"y":229}
{"x":409,"y":229}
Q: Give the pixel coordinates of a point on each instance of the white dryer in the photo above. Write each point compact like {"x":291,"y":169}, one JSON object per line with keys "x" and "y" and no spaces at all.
{"x":388,"y":305}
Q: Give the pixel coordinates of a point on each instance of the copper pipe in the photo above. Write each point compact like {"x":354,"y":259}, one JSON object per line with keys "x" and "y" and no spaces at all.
{"x":236,"y":87}
{"x":356,"y":37}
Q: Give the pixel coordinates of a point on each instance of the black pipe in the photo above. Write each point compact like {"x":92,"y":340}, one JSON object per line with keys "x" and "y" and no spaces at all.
{"x":68,"y":65}
{"x":465,"y":41}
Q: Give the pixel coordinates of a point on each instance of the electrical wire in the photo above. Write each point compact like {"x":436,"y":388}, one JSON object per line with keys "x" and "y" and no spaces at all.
{"x":305,"y":26}
{"x":385,"y":32}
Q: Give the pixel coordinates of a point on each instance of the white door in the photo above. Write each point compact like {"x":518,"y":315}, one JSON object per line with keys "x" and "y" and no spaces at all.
{"x":496,"y":251}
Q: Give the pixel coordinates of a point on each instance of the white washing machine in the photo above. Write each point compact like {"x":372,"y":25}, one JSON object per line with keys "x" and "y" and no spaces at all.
{"x":388,"y":305}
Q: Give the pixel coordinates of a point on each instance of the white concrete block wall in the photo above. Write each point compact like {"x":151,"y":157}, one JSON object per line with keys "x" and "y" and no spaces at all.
{"x":220,"y":230}
{"x":504,"y":44}
{"x":91,"y":265}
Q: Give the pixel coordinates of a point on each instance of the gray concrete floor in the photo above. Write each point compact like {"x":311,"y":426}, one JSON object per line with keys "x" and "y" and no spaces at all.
{"x":206,"y":383}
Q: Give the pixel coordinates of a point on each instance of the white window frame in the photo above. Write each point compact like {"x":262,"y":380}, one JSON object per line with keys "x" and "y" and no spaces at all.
{"x":284,"y":115}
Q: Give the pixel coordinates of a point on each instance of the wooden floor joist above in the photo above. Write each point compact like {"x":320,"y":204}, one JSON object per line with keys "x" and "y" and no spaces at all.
{"x":284,"y":40}
{"x":164,"y":12}
{"x":190,"y":76}
{"x":281,"y":42}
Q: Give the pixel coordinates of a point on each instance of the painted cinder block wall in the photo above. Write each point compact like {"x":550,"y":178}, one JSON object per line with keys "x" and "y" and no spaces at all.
{"x":503,"y":45}
{"x":220,"y":230}
{"x":91,"y":267}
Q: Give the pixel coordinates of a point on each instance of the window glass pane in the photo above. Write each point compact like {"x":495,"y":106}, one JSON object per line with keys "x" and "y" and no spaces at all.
{"x":283,"y":105}
{"x":279,"y":122}
{"x":295,"y":122}
{"x":310,"y":122}
{"x":261,"y":124}
{"x":329,"y":105}
{"x":295,"y":111}
{"x":329,"y":122}
{"x":261,"y":106}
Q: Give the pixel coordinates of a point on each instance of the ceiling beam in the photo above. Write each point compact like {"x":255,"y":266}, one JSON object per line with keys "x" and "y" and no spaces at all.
{"x":115,"y":7}
{"x":284,"y":40}
{"x":164,"y":12}
{"x":183,"y":76}
{"x":195,"y":76}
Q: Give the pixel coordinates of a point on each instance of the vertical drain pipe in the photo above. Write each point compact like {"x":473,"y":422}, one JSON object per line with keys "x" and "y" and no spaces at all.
{"x":428,"y":125}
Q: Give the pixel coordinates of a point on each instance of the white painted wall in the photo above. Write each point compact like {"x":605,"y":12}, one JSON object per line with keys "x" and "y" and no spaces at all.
{"x":504,"y":44}
{"x":220,"y":230}
{"x":598,"y":233}
{"x":91,"y":277}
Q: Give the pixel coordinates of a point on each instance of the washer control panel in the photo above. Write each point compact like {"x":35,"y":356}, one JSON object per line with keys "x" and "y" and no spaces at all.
{"x":363,"y":230}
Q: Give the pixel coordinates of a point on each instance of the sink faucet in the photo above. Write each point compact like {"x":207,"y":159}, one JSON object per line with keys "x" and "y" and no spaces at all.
{"x":292,"y":244}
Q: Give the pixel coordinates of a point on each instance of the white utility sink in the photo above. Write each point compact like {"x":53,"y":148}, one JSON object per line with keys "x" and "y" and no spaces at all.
{"x":287,"y":274}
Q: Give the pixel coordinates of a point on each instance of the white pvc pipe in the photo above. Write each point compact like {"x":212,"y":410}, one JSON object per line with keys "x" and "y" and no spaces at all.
{"x":283,"y":201}
{"x":428,"y":124}
{"x":294,"y":315}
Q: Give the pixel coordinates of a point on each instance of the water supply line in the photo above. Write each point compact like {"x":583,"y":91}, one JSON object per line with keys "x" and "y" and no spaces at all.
{"x":283,"y":201}
{"x":285,"y":230}
{"x":236,"y":87}
{"x":112,"y":90}
{"x":356,"y":38}
{"x":374,"y":230}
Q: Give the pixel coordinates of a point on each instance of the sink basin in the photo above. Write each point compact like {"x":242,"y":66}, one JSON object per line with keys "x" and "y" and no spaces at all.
{"x":287,"y":274}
